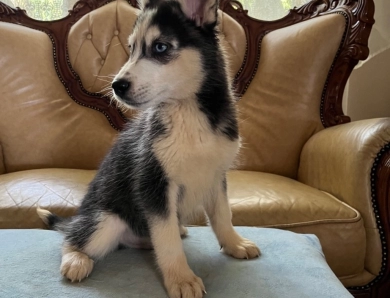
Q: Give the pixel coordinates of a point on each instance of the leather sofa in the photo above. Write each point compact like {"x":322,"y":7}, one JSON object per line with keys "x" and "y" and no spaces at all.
{"x":302,"y":167}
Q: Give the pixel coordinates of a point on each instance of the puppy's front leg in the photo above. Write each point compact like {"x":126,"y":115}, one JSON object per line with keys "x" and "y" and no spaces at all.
{"x":180,"y":281}
{"x":219,"y":213}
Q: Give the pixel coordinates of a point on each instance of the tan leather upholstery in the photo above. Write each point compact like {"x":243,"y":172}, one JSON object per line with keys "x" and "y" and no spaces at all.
{"x":98,"y":43}
{"x":267,"y":200}
{"x":284,"y":202}
{"x":2,"y":166}
{"x":339,"y":160}
{"x":280,"y":110}
{"x":42,"y":129}
{"x":234,"y":41}
{"x":60,"y":190}
{"x":40,"y":125}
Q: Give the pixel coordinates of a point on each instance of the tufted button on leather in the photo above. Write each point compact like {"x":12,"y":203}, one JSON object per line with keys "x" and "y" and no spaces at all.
{"x":116,"y":32}
{"x":89,"y":36}
{"x":102,"y":62}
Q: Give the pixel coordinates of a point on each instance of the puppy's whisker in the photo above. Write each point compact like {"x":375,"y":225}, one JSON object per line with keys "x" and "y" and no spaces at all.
{"x":111,"y":76}
{"x":107,"y":88}
{"x":104,"y":89}
{"x":104,"y":80}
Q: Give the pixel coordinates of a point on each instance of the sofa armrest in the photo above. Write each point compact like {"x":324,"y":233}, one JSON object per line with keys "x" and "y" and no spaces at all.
{"x":339,"y":160}
{"x":352,"y":162}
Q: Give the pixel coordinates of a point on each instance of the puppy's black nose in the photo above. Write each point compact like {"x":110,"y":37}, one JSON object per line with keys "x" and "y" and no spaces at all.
{"x":120,"y":87}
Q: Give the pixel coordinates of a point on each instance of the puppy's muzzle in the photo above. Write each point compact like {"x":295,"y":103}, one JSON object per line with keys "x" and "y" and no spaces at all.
{"x":120,"y":87}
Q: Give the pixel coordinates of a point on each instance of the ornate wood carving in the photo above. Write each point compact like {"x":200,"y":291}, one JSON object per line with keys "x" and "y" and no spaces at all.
{"x":381,"y":204}
{"x":359,"y":20}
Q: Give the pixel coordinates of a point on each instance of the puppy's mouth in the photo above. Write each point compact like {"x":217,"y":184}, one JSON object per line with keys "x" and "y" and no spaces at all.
{"x":136,"y":103}
{"x":128,"y":101}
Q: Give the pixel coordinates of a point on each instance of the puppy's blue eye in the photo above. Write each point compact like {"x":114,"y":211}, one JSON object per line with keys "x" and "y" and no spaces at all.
{"x":160,"y":47}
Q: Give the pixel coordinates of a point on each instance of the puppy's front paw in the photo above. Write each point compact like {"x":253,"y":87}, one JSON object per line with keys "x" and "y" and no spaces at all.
{"x":242,"y":249}
{"x":76,"y":266}
{"x":184,"y":286}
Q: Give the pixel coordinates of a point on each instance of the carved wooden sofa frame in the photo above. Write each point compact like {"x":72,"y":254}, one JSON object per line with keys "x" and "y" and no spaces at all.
{"x":358,"y":16}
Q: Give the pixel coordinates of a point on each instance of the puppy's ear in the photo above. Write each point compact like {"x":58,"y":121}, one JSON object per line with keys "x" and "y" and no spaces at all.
{"x":203,"y":12}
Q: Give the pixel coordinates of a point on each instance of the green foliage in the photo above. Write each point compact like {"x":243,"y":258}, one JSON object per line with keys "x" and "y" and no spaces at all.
{"x":287,"y":4}
{"x":44,"y":10}
{"x":47,"y":10}
{"x":253,"y":4}
{"x":270,"y":9}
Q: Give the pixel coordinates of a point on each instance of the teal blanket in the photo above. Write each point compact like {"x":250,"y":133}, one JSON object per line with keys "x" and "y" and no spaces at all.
{"x":291,"y":266}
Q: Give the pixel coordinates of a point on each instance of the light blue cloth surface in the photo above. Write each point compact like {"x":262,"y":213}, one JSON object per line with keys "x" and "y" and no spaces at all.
{"x":291,"y":266}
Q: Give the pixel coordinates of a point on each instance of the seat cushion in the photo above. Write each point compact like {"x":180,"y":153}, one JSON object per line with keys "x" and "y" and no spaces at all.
{"x":267,"y":200}
{"x":59,"y":190}
{"x":292,"y":265}
{"x":261,"y":199}
{"x":257,"y":199}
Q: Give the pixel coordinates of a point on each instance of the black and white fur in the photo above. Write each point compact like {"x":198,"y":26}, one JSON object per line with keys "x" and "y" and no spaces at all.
{"x":169,"y":161}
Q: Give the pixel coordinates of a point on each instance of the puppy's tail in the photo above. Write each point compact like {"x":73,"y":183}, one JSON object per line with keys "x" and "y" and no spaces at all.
{"x":53,"y":221}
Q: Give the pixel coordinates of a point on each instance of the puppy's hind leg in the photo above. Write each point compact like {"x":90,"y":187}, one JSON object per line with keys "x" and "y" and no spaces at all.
{"x":75,"y":265}
{"x":89,"y":237}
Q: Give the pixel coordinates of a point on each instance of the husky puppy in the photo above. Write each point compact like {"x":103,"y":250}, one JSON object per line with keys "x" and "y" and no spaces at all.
{"x":170,"y":160}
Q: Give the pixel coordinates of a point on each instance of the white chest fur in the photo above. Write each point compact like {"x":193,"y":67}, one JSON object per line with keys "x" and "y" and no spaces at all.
{"x":192,"y":153}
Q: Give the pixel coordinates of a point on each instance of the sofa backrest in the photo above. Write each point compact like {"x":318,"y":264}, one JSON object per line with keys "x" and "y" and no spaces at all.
{"x":289,"y":73}
{"x":40,"y":125}
{"x":280,"y":110}
{"x":98,"y":48}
